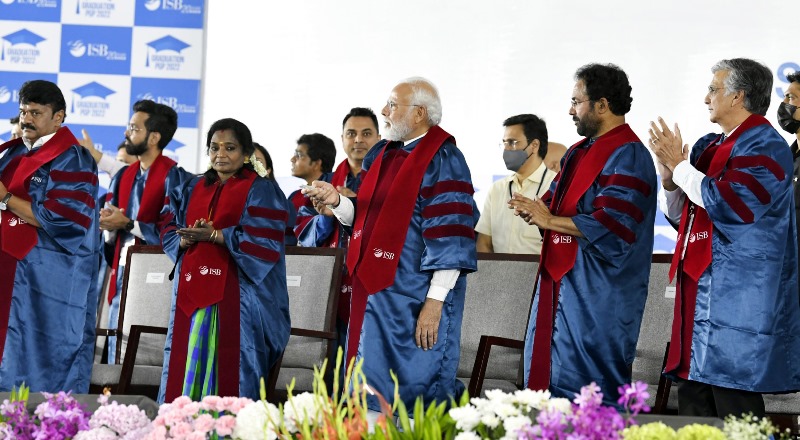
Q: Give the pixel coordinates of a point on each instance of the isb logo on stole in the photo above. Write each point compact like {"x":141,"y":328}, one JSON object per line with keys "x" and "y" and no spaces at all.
{"x":96,"y":49}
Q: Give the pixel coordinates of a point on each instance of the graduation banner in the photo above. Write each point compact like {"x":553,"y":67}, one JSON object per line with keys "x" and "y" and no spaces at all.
{"x":105,"y":55}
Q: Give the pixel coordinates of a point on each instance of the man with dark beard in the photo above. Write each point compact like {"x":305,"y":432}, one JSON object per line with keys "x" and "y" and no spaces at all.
{"x":597,"y":222}
{"x":136,"y":195}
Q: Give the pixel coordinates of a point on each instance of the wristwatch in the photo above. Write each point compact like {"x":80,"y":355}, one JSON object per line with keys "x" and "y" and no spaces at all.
{"x":4,"y":202}
{"x":129,"y":226}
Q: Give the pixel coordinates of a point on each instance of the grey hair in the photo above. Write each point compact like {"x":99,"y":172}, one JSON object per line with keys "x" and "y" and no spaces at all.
{"x":751,"y":77}
{"x":421,"y":96}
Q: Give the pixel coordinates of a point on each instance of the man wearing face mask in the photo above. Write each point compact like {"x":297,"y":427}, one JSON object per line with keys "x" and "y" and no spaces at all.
{"x":789,"y":120}
{"x":524,"y":149}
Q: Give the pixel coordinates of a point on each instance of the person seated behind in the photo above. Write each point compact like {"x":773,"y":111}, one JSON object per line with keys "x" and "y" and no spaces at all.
{"x":524,"y":150}
{"x":230,"y":315}
{"x":312,"y":160}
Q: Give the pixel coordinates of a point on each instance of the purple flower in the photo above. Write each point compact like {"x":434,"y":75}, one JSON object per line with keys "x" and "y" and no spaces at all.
{"x":633,"y":397}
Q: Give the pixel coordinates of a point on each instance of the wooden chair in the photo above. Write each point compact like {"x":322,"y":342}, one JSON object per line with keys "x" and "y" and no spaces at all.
{"x":496,"y":310}
{"x":313,"y":276}
{"x":145,"y":303}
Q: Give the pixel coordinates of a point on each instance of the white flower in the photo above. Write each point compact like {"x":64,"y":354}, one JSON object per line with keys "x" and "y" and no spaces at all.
{"x":490,"y":420}
{"x":468,"y":435}
{"x":560,"y":404}
{"x":257,"y":421}
{"x":466,"y":417}
{"x":499,"y":396}
{"x":531,"y":399}
{"x":300,"y":408}
{"x":512,"y":424}
{"x":258,"y":166}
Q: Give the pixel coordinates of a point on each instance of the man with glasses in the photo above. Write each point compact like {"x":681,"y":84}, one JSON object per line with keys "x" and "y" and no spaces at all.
{"x":412,"y":245}
{"x":359,"y":133}
{"x":137,"y":194}
{"x":312,"y":160}
{"x":736,"y":331}
{"x":597,"y":220}
{"x":48,"y":249}
{"x":524,"y":147}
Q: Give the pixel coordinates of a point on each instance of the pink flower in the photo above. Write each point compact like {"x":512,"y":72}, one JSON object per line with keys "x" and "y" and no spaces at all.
{"x":225,"y":425}
{"x":212,"y":403}
{"x":196,"y":436}
{"x":181,"y":430}
{"x":204,"y":423}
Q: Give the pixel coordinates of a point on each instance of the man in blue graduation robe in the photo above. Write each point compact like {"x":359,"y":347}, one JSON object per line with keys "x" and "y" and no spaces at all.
{"x":359,"y":134}
{"x":412,"y":245}
{"x":49,"y":250}
{"x":736,"y":331}
{"x":137,"y":195}
{"x":598,"y":239}
{"x":312,"y":160}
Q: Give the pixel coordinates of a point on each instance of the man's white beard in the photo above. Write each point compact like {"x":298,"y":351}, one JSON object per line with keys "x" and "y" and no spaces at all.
{"x":398,"y":130}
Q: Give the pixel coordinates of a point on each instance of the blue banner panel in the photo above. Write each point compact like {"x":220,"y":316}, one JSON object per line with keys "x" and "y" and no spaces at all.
{"x":31,"y":10}
{"x":96,"y":49}
{"x":170,"y":13}
{"x":10,"y":83}
{"x":181,"y":94}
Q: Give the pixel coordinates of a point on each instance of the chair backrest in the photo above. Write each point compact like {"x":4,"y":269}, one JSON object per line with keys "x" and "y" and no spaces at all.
{"x":313,"y":276}
{"x":497,"y":303}
{"x":146,"y":300}
{"x":656,"y":326}
{"x":103,"y":309}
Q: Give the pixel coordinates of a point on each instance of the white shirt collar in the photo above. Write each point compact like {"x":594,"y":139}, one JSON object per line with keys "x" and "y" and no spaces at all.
{"x":39,"y":142}
{"x":415,"y":139}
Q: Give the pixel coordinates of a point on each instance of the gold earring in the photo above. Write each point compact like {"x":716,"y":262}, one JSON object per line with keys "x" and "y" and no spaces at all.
{"x":246,"y":160}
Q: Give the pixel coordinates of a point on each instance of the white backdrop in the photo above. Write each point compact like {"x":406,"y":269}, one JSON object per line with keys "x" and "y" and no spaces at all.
{"x":289,"y":68}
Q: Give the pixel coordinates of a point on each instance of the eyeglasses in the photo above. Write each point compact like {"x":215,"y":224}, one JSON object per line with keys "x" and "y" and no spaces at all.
{"x":393,"y":105}
{"x":713,"y":90}
{"x":575,"y":103}
{"x":352,"y":134}
{"x":132,"y":128}
{"x":299,"y":155}
{"x":511,"y":144}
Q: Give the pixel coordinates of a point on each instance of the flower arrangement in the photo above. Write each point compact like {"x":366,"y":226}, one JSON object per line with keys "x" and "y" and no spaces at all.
{"x":59,"y":417}
{"x":114,"y":421}
{"x":524,"y":414}
{"x":214,"y":417}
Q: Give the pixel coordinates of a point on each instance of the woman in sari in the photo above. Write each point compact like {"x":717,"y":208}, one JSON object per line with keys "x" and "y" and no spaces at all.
{"x":230,"y":311}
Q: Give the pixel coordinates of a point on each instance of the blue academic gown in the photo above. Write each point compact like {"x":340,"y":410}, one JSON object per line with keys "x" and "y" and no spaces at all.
{"x":387,"y":336}
{"x":304,"y":214}
{"x":50,"y":340}
{"x":746,"y":332}
{"x":265,"y":324}
{"x":601,"y":300}
{"x":150,"y":232}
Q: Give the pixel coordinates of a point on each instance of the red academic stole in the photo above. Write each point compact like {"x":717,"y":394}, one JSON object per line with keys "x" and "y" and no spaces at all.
{"x":388,"y":232}
{"x":17,"y":238}
{"x":149,"y":208}
{"x":210,"y":276}
{"x":340,"y":179}
{"x":696,"y":256}
{"x":559,"y":251}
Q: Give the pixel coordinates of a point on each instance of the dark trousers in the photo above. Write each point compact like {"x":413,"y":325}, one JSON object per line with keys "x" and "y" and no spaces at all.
{"x":703,"y":400}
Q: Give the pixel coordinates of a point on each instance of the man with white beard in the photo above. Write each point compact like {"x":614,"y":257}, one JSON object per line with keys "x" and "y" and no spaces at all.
{"x":412,"y":245}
